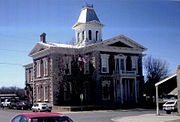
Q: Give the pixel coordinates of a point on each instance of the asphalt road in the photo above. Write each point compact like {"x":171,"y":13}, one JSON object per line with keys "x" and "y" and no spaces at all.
{"x":85,"y":116}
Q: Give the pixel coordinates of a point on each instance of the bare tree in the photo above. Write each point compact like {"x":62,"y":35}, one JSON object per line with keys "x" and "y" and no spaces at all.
{"x":156,"y":70}
{"x":71,"y":42}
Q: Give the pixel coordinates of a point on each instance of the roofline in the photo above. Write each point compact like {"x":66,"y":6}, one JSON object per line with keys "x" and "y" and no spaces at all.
{"x":160,"y":82}
{"x":28,"y":65}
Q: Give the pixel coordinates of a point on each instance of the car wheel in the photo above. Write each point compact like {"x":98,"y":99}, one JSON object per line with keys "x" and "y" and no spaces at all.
{"x":168,"y":112}
{"x":33,"y":110}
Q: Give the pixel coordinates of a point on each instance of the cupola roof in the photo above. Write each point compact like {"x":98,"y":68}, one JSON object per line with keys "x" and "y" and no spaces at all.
{"x":87,"y":14}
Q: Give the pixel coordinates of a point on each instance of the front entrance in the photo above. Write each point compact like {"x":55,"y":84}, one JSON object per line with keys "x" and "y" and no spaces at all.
{"x":125,"y":91}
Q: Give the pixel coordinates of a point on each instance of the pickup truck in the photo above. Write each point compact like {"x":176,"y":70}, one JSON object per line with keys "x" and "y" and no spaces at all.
{"x":10,"y":103}
{"x":170,"y":106}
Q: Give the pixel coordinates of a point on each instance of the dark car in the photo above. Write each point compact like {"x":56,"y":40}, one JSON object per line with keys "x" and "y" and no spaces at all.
{"x":40,"y":117}
{"x":23,"y":105}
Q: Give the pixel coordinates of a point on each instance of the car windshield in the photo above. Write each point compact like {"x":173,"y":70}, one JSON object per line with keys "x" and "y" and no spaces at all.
{"x":51,"y":119}
{"x":170,"y":103}
{"x":44,"y":104}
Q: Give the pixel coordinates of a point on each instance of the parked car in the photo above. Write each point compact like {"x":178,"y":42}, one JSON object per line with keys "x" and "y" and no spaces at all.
{"x":41,"y":107}
{"x":40,"y":117}
{"x":10,"y":103}
{"x":170,"y":106}
{"x":23,"y":105}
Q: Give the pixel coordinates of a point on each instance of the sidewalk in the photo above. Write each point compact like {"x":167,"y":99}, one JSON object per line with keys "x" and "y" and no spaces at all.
{"x":149,"y":118}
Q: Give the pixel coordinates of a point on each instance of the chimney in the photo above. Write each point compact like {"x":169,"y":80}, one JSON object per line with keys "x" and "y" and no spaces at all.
{"x":43,"y":37}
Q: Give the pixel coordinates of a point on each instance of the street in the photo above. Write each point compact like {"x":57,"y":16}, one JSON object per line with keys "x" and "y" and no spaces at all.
{"x":102,"y":116}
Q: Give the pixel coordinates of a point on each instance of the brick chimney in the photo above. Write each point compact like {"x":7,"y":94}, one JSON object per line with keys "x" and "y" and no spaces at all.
{"x":43,"y":37}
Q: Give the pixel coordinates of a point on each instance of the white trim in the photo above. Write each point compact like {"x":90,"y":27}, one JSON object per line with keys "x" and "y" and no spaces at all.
{"x":32,"y":74}
{"x":105,"y":57}
{"x":46,"y":86}
{"x":134,"y":60}
{"x":45,"y":66}
{"x":38,"y":92}
{"x":160,"y":82}
{"x":27,"y":76}
{"x":39,"y":79}
{"x":119,"y":57}
{"x":38,"y":68}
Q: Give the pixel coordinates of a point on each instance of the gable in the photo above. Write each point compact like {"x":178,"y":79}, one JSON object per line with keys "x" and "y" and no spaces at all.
{"x":38,"y":47}
{"x":119,"y":44}
{"x":122,"y":41}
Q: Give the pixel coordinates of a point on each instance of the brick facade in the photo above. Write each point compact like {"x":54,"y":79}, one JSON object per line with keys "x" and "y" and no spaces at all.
{"x":103,"y":72}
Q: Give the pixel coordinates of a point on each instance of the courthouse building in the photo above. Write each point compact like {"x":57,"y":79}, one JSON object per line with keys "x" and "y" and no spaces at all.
{"x":102,"y":71}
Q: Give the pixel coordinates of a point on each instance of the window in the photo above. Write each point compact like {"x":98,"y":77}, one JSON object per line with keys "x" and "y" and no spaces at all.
{"x":20,"y":119}
{"x":32,"y":74}
{"x":67,"y":65}
{"x":90,"y":35}
{"x":39,"y":93}
{"x":120,"y":63}
{"x":51,"y":119}
{"x":134,"y":63}
{"x":117,"y":65}
{"x":46,"y":93}
{"x":83,"y":35}
{"x":67,"y":92}
{"x":38,"y":68}
{"x":104,"y":63}
{"x":27,"y":75}
{"x":97,"y":35}
{"x":45,"y":67}
{"x":105,"y":90}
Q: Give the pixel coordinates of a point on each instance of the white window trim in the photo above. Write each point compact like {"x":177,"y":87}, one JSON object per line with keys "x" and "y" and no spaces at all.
{"x":27,"y":76}
{"x":45,"y":63}
{"x":105,"y":56}
{"x":135,"y":58}
{"x":38,"y":69}
{"x":46,"y":99}
{"x":32,"y":74}
{"x":120,"y":57}
{"x":38,"y":93}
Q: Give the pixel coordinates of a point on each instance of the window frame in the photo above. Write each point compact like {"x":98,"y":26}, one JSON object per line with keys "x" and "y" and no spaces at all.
{"x":105,"y":63}
{"x":38,"y":68}
{"x":46,"y":64}
{"x":38,"y":93}
{"x":46,"y":96}
{"x":120,"y":58}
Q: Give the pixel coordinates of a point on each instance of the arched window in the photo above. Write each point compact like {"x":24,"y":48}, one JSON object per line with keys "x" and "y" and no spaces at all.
{"x":83,"y":35}
{"x":90,"y":35}
{"x":97,"y":35}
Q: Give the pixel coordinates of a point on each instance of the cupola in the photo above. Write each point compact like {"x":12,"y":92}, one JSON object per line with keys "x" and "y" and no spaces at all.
{"x":88,"y":28}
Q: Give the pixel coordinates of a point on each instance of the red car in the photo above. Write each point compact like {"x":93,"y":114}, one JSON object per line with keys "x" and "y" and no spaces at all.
{"x":40,"y":117}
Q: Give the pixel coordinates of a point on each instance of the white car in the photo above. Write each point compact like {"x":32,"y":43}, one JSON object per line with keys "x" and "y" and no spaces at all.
{"x":170,"y":106}
{"x":41,"y":107}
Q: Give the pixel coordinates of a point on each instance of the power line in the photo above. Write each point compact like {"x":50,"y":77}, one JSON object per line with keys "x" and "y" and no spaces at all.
{"x":22,"y":51}
{"x":2,"y":63}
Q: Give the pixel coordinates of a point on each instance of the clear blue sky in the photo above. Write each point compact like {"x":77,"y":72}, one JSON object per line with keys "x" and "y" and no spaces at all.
{"x":153,"y":23}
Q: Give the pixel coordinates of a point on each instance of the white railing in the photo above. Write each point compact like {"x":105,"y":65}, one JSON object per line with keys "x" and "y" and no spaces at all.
{"x":122,"y":72}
